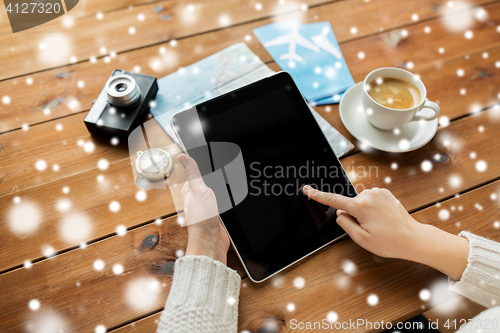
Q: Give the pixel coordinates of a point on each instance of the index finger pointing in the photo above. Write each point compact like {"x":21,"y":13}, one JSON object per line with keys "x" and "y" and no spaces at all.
{"x":330,"y":199}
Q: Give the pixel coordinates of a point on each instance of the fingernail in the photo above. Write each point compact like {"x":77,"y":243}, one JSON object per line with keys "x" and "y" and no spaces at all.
{"x":307,"y":189}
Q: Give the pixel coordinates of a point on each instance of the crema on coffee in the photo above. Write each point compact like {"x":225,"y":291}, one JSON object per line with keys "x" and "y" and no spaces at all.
{"x":394,"y":93}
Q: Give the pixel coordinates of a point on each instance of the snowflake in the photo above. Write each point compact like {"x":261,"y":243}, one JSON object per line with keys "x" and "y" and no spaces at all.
{"x":463,"y":91}
{"x":372,"y":299}
{"x":141,"y":17}
{"x":361,"y":55}
{"x":354,"y":30}
{"x":224,"y":20}
{"x":99,"y":265}
{"x":468,"y":34}
{"x":427,"y":30}
{"x":426,"y":165}
{"x":131,"y":30}
{"x":258,"y":6}
{"x":29,"y":81}
{"x":332,"y":316}
{"x":100,"y":329}
{"x":114,"y":206}
{"x":481,"y":166}
{"x":34,"y":304}
{"x":27,"y":264}
{"x":349,"y":267}
{"x":444,"y":214}
{"x":99,"y":16}
{"x":455,"y":181}
{"x":24,"y":218}
{"x":424,"y":294}
{"x":441,"y":50}
{"x":103,"y":164}
{"x":142,"y":294}
{"x":414,"y":17}
{"x":394,"y":166}
{"x":48,"y":251}
{"x":141,"y":195}
{"x":290,"y":307}
{"x":121,"y":230}
{"x":404,"y":144}
{"x":41,"y":165}
{"x":179,"y":253}
{"x":299,"y":282}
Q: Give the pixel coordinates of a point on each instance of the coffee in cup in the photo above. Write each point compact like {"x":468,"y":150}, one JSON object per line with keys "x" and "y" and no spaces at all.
{"x":394,"y":93}
{"x":393,"y":97}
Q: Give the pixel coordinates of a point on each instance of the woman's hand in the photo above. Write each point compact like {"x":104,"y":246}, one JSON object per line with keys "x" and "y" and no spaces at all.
{"x":206,"y":235}
{"x":378,"y":222}
{"x":374,"y":219}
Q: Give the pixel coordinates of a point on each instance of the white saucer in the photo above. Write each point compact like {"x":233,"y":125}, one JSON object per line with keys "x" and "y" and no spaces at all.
{"x":411,"y":136}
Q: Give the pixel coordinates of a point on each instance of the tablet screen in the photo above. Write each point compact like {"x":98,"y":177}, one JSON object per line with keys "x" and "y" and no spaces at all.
{"x":283,"y":149}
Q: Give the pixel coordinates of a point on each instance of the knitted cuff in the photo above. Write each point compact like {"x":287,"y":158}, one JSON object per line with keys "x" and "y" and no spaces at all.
{"x":480,"y":281}
{"x":200,"y":281}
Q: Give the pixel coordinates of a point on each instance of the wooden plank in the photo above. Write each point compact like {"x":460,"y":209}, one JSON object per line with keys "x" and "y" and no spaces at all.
{"x":327,"y":288}
{"x":408,"y":182}
{"x":80,"y":168}
{"x":57,"y":91}
{"x":88,"y":35}
{"x":71,"y":291}
{"x":22,"y":149}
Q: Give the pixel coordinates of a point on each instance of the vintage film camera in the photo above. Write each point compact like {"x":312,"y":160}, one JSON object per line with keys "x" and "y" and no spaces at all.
{"x":122,"y":104}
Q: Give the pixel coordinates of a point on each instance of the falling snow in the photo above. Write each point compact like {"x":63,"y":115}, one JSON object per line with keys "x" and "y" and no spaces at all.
{"x":425,"y":295}
{"x":103,"y":164}
{"x":142,"y":294}
{"x":426,"y":165}
{"x":41,"y":165}
{"x":372,"y":299}
{"x":100,"y":329}
{"x":231,"y":300}
{"x":48,"y":251}
{"x":121,"y":230}
{"x":332,"y":316}
{"x":140,"y":195}
{"x":99,"y":265}
{"x":348,"y":267}
{"x":114,"y":206}
{"x":117,"y":269}
{"x":290,"y":307}
{"x":444,"y":214}
{"x":481,"y":166}
{"x":299,"y":282}
{"x":24,"y":218}
{"x":34,"y":304}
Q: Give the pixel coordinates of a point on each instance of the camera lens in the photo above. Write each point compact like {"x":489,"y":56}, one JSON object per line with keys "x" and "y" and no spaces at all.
{"x":121,"y":87}
{"x":122,"y":90}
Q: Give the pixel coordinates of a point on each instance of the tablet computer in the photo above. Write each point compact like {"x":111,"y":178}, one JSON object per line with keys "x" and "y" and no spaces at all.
{"x":268,"y":145}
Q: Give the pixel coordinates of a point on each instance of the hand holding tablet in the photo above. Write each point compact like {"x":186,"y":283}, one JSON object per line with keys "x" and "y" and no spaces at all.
{"x":256,"y":147}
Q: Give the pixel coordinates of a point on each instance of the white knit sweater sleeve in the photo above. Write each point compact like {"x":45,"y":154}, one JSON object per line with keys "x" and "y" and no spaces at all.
{"x":480,"y":281}
{"x":203,"y":298}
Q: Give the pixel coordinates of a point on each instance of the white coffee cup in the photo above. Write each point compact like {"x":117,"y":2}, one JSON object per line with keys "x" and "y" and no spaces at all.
{"x":386,"y":118}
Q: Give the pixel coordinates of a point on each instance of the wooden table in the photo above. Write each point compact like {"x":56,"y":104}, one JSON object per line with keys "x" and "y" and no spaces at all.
{"x":49,"y":174}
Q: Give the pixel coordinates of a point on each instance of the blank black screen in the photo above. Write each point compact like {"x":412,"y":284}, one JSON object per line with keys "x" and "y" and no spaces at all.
{"x":283,"y":149}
